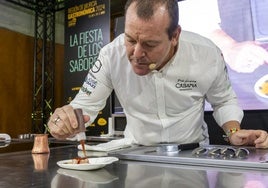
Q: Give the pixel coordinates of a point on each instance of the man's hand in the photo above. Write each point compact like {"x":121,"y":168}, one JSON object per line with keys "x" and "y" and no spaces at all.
{"x":257,"y":138}
{"x":63,"y":123}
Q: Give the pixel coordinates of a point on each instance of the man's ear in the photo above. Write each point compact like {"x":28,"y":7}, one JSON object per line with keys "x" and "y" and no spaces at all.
{"x":176,"y":35}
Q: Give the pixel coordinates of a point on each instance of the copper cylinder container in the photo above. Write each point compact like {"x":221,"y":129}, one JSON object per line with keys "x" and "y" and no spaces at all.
{"x":40,"y":144}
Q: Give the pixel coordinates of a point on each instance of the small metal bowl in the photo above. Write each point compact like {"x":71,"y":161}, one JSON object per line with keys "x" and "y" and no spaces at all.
{"x":167,"y":148}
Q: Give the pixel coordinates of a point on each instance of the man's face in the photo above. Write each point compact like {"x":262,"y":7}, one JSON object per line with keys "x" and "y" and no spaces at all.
{"x":147,"y":41}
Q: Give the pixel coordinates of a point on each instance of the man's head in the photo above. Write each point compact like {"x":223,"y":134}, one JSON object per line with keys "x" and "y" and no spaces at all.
{"x":151,"y":33}
{"x":146,"y":9}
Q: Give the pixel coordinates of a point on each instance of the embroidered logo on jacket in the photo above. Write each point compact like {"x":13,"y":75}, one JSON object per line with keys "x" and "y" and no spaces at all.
{"x":85,"y":90}
{"x":90,"y":81}
{"x":96,"y":67}
{"x":186,"y":84}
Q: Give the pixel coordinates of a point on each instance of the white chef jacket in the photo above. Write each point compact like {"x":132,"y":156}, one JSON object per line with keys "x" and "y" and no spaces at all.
{"x":165,"y":105}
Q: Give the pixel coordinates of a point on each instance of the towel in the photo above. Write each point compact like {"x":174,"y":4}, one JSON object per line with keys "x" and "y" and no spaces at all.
{"x":108,"y":146}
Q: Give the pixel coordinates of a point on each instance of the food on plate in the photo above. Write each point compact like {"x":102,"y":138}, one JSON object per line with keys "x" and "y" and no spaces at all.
{"x":264,"y":88}
{"x":261,"y":86}
{"x":79,"y":160}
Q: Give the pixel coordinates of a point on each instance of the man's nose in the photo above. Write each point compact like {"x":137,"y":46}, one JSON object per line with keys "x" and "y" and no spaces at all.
{"x":139,"y":51}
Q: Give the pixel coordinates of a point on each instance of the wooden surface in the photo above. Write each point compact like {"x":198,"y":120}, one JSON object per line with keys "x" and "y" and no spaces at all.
{"x":16,"y":81}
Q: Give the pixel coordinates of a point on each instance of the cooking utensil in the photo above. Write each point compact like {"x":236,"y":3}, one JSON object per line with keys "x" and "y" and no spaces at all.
{"x":165,"y":148}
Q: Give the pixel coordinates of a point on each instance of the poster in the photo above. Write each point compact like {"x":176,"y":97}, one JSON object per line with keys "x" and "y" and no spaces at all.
{"x":87,"y":30}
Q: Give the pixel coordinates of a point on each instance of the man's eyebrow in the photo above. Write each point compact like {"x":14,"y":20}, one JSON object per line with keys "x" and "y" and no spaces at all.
{"x":128,"y":35}
{"x":147,"y":41}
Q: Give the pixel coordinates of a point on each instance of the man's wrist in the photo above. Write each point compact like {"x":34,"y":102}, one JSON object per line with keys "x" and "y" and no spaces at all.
{"x":229,"y":133}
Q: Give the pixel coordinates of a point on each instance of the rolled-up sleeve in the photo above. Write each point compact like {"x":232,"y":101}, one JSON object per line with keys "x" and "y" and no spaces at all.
{"x":222,"y":97}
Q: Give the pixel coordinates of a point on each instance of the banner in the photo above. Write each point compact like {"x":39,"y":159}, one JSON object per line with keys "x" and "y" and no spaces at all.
{"x":87,"y":30}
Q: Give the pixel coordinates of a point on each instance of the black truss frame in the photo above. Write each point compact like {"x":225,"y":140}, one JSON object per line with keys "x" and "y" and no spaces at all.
{"x":44,"y":58}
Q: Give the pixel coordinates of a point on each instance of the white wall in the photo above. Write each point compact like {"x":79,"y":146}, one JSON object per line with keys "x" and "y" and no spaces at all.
{"x":20,"y":19}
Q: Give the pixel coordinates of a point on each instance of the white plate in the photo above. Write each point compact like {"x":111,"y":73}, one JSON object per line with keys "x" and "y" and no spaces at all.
{"x":94,"y":163}
{"x":260,"y":83}
{"x":4,"y":137}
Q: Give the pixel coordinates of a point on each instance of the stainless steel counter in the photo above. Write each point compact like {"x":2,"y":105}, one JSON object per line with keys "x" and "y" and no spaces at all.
{"x":24,"y":169}
{"x":212,"y":155}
